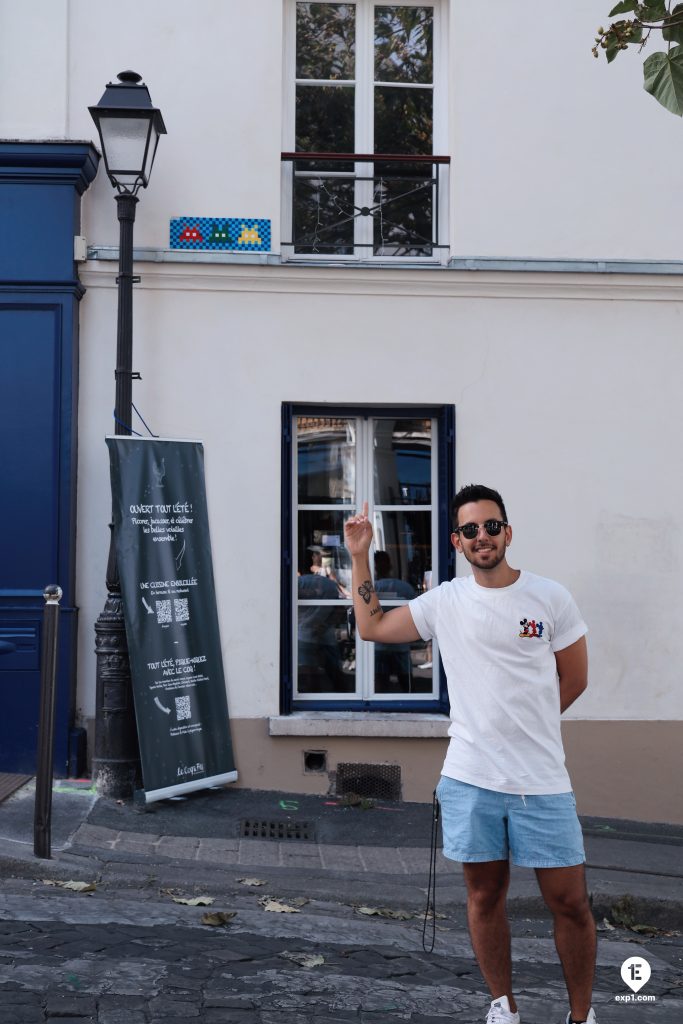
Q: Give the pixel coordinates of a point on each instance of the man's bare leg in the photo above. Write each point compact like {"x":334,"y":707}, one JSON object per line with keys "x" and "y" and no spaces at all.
{"x":487,"y":886}
{"x":565,"y":894}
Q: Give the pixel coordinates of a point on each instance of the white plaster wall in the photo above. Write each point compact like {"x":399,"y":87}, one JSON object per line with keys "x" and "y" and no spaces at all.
{"x":554,"y":154}
{"x":559,"y":403}
{"x":214,"y":68}
{"x":33,"y":69}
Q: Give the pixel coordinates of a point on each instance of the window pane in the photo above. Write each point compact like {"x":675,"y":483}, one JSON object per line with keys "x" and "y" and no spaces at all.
{"x":325,"y":40}
{"x":323,"y":563}
{"x":406,"y":539}
{"x":403,"y":120}
{"x":326,"y":660}
{"x":326,"y":453}
{"x":403,"y":668}
{"x":404,"y":44}
{"x":402,"y":225}
{"x":324,"y":215}
{"x":403,"y":462}
{"x":325,"y":123}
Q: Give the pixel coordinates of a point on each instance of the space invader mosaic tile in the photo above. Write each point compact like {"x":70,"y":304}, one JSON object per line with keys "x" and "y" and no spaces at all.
{"x":241,"y":234}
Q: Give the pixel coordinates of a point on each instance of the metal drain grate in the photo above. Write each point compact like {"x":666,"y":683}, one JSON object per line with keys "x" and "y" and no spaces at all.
{"x":282,"y":831}
{"x":382,"y":781}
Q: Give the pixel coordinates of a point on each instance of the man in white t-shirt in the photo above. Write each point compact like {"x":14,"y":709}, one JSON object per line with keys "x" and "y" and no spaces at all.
{"x":514,"y":650}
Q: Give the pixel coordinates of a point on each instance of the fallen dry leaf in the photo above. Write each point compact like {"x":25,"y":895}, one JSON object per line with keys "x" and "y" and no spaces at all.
{"x":278,"y":908}
{"x":217,"y":918}
{"x":73,"y":886}
{"x":196,"y":901}
{"x":252,"y":881}
{"x":304,"y":959}
{"x":397,"y":915}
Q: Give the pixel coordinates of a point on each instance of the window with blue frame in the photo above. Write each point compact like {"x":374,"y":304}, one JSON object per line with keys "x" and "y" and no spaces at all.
{"x":400,"y":461}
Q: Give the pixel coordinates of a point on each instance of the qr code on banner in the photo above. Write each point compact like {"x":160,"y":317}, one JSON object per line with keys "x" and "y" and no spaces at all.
{"x":163,"y":611}
{"x":182,"y":708}
{"x":182,"y":612}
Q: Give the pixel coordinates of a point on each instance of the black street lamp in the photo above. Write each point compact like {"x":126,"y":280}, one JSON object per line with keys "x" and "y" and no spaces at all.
{"x":129,"y":128}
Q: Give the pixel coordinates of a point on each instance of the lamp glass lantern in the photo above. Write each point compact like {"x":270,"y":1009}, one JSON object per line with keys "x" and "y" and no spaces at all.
{"x":129,"y":128}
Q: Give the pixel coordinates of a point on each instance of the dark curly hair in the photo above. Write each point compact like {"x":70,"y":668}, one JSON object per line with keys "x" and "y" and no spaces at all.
{"x":475,"y":492}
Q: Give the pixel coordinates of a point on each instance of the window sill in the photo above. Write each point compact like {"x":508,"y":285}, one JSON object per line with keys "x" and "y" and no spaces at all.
{"x":379,"y":724}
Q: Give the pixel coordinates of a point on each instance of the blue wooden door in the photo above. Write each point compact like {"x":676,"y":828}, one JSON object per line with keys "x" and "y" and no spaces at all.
{"x":40,"y":189}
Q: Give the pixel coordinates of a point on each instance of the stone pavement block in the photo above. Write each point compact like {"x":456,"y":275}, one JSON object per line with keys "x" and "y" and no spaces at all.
{"x":121,"y":1017}
{"x":299,"y":857}
{"x":216,"y":1016}
{"x":72,"y":1020}
{"x":71,"y":1006}
{"x":121,"y":1003}
{"x":138,"y":837}
{"x":218,"y":849}
{"x":382,"y":858}
{"x":283,"y":1017}
{"x":165,"y":1006}
{"x":182,"y":847}
{"x":211,"y":855}
{"x":414,"y":859}
{"x":96,"y":835}
{"x":262,"y":853}
{"x":127,"y":844}
{"x":23,"y":1014}
{"x":15,"y":997}
{"x":230,"y":1002}
{"x":340,"y":858}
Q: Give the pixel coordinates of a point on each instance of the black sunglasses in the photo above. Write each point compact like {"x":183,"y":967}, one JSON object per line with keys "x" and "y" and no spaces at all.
{"x":492,"y":527}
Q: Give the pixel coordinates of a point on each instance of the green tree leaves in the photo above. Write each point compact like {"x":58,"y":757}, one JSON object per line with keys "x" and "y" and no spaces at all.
{"x":664,"y":79}
{"x":663,"y":71}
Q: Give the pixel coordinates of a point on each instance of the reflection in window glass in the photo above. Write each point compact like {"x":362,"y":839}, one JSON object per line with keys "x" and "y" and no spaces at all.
{"x":406,"y":538}
{"x":326,"y":460}
{"x":323,"y":215}
{"x":403,"y":224}
{"x":341,"y":461}
{"x":326,"y":660}
{"x":325,"y":40}
{"x":324,"y":122}
{"x":321,"y":553}
{"x":403,"y":668}
{"x":404,"y":44}
{"x":403,"y":462}
{"x":403,"y":120}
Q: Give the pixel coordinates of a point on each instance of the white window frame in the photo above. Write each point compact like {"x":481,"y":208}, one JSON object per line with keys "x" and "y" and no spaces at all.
{"x":364,"y":84}
{"x":364,"y":483}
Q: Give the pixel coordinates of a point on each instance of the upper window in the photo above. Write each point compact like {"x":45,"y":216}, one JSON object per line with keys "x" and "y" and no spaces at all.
{"x":362,"y":174}
{"x":336,"y":460}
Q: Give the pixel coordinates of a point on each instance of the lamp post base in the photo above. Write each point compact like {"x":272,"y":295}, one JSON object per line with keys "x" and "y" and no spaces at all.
{"x":116,"y":762}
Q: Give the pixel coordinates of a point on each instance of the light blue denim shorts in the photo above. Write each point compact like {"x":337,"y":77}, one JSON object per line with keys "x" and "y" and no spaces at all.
{"x":478,"y":825}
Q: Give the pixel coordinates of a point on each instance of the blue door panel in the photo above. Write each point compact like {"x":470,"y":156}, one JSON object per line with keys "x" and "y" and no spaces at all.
{"x":44,"y":227}
{"x":29,"y":395}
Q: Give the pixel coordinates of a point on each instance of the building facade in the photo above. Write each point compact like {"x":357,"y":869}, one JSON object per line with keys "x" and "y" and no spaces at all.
{"x":384,"y":252}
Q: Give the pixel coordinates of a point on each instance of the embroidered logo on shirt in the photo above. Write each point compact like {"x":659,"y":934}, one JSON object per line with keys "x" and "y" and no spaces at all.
{"x":531,"y":628}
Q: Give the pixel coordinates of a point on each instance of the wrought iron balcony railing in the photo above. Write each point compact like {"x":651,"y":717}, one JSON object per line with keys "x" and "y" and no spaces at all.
{"x":366,"y":204}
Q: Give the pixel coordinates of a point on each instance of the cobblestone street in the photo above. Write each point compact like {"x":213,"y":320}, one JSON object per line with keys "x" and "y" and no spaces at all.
{"x":133,"y":956}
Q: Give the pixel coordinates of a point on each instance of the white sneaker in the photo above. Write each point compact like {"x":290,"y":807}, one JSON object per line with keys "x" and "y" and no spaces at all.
{"x":590,"y":1019}
{"x":500,"y":1012}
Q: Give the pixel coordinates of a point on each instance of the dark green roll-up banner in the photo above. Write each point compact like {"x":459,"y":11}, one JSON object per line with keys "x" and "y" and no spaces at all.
{"x":163,"y":549}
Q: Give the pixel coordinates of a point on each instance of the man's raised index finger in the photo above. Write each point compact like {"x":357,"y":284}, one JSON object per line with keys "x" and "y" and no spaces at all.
{"x":365,"y":509}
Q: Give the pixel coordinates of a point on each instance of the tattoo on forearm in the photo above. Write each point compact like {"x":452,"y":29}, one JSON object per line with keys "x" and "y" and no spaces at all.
{"x":376,"y":611}
{"x":366,"y":590}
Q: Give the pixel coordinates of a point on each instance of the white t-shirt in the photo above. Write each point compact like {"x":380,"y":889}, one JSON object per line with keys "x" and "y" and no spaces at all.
{"x":498,"y":647}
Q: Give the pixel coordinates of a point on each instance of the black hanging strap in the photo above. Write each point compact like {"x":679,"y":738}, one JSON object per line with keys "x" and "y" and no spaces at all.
{"x":431,"y":885}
